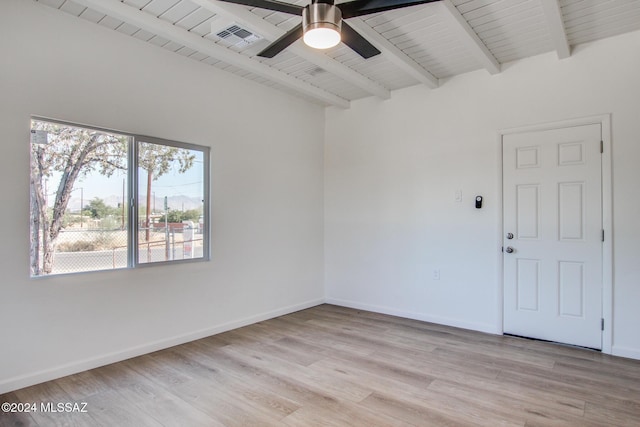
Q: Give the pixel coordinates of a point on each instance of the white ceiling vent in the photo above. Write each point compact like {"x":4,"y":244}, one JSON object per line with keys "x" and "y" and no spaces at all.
{"x":235,"y":34}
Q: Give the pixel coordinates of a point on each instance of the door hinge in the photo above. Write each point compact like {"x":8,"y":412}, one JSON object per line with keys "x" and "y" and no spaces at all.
{"x":603,"y":235}
{"x":601,"y":146}
{"x":602,"y":324}
{"x":502,"y":249}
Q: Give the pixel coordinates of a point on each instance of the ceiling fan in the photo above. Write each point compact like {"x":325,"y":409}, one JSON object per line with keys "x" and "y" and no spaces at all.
{"x":323,"y":24}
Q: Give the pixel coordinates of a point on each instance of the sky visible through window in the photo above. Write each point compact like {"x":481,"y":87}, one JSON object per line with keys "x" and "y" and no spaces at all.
{"x":173,"y":184}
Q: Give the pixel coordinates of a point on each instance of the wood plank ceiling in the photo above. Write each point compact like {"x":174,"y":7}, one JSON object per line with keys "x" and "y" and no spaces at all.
{"x":420,"y":44}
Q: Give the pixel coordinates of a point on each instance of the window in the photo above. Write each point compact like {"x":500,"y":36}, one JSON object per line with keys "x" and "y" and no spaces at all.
{"x":104,"y":200}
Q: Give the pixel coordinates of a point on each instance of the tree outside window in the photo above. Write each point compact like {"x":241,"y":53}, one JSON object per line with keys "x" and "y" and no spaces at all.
{"x":81,"y":196}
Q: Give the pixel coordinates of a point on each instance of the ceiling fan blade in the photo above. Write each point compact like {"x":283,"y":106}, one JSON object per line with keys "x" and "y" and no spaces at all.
{"x":285,"y":40}
{"x":274,"y":5}
{"x":365,"y":7}
{"x":355,"y":41}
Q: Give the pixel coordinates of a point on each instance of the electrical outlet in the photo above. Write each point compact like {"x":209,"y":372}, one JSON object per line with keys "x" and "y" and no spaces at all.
{"x":436,"y":274}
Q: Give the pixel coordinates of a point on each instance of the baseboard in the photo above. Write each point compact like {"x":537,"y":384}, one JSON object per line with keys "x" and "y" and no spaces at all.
{"x":474,"y":326}
{"x":27,"y":380}
{"x":631,"y":353}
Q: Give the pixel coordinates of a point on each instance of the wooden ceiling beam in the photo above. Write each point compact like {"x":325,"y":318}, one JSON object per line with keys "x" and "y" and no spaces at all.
{"x":393,"y":54}
{"x":470,"y":39}
{"x":134,"y":16}
{"x":553,"y":14}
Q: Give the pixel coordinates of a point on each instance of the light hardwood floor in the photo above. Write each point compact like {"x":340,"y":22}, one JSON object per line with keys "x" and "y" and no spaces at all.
{"x":334,"y":366}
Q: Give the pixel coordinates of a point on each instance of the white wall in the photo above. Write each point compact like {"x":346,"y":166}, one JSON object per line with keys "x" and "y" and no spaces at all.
{"x":392,"y":168}
{"x":267,"y":196}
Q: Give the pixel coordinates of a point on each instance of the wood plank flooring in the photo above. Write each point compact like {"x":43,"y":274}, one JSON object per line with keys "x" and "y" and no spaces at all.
{"x":334,"y":366}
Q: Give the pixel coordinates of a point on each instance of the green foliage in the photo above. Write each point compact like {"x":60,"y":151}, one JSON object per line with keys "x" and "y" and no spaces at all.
{"x":179,"y":216}
{"x":172,"y":216}
{"x":157,"y":160}
{"x":191,"y":215}
{"x":98,"y":209}
{"x":77,"y":151}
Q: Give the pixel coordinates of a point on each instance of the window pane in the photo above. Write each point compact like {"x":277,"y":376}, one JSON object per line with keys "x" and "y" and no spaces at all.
{"x":78,"y":193}
{"x":171,"y":197}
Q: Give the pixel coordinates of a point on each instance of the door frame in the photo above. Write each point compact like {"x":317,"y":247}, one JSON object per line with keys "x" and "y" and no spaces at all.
{"x":604,"y":121}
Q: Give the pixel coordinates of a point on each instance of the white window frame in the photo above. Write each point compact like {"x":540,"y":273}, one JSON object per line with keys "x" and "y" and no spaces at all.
{"x":132,"y":188}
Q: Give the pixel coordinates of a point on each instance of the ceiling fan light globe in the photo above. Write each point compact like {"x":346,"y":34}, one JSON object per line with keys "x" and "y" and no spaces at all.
{"x":321,"y":37}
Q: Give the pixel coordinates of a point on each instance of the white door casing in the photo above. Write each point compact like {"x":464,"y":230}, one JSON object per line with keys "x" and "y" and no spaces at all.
{"x":552,"y":200}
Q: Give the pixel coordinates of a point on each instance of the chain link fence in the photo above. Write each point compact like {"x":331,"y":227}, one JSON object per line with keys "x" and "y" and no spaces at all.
{"x":90,"y":249}
{"x":87,"y":249}
{"x":173,"y":242}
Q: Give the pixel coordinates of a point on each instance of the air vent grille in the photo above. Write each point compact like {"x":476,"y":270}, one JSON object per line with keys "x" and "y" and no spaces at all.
{"x":315,"y":70}
{"x":235,"y":35}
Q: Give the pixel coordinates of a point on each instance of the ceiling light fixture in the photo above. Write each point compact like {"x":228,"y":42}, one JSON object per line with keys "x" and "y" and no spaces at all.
{"x":321,"y":23}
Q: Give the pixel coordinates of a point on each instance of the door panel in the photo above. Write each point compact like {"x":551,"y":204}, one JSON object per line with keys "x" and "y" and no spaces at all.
{"x":553,"y":206}
{"x":571,"y":211}
{"x":528,"y":211}
{"x":528,"y":283}
{"x":571,"y":288}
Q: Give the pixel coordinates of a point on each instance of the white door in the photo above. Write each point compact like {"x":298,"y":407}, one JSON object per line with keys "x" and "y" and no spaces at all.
{"x":552,"y":190}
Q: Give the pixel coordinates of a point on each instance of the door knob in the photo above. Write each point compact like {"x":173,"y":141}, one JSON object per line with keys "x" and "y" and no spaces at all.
{"x":509,"y":236}
{"x":509,"y":250}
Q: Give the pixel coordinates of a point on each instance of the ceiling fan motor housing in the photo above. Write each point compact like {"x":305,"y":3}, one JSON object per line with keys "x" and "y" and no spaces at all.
{"x":321,"y":15}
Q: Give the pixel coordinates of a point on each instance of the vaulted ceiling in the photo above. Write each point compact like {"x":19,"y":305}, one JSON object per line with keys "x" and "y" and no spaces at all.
{"x":420,"y":44}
